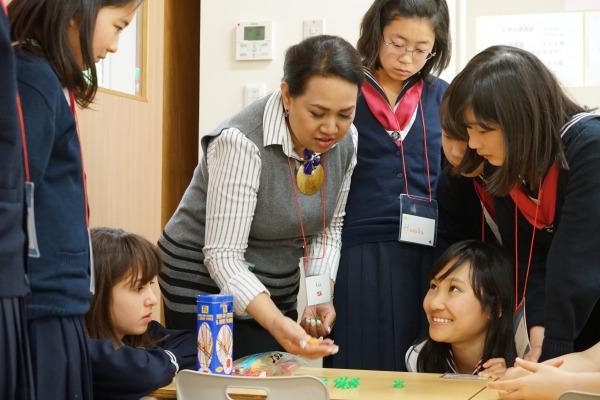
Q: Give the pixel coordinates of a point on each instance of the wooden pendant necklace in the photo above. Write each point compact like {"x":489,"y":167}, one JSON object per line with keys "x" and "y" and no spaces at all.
{"x":309,"y":177}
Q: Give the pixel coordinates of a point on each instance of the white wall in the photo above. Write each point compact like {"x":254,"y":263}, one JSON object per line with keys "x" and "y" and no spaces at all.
{"x":222,"y":78}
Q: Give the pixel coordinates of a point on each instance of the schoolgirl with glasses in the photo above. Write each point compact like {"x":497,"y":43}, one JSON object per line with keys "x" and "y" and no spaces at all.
{"x":386,"y":256}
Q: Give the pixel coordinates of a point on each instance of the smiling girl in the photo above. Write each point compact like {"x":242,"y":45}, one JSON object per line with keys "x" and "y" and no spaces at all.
{"x":55,"y":42}
{"x":469,"y":309}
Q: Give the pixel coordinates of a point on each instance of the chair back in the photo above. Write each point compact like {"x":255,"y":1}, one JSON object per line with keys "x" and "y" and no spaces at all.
{"x":194,"y":385}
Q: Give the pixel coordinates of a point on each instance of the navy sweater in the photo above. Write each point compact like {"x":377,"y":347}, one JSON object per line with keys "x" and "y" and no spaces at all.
{"x":60,"y":278}
{"x":373,"y":208}
{"x":568,"y":257}
{"x":12,"y":236}
{"x":128,"y":373}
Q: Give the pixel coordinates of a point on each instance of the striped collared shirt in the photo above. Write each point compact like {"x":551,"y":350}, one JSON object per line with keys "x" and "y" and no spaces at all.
{"x":234,"y":165}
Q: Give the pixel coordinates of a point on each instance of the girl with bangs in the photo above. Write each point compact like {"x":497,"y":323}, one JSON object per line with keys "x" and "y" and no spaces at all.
{"x":469,"y":309}
{"x":540,"y":154}
{"x":136,"y":354}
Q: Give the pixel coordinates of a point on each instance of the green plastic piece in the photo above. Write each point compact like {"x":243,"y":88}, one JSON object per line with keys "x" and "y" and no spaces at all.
{"x":343,"y":382}
{"x":398,"y":384}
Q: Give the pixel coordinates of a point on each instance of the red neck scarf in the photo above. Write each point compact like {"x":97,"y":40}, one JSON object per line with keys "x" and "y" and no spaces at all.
{"x":546,"y":199}
{"x":377,"y":102}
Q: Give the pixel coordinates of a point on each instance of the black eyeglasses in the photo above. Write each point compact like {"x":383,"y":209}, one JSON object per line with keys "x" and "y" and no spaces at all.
{"x":399,"y":50}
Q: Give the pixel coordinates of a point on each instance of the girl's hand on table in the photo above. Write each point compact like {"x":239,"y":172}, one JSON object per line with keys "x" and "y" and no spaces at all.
{"x":494,"y":368}
{"x":541,"y":382}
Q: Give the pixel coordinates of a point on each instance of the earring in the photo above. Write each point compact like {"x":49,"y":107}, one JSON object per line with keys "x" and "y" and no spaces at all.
{"x":286,"y":113}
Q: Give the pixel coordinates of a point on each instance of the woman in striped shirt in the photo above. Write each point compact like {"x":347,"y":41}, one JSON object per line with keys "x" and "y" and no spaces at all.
{"x":267,"y":197}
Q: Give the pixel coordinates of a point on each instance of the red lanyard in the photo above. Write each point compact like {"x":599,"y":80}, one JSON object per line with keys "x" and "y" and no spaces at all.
{"x":23,"y":140}
{"x":299,"y":210}
{"x":517,"y":302}
{"x":401,"y":146}
{"x":397,"y":120}
{"x":26,"y":155}
{"x":487,"y":204}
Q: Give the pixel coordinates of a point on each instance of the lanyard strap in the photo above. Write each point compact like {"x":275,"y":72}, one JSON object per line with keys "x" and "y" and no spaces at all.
{"x":23,"y":139}
{"x":299,"y":210}
{"x":517,"y":302}
{"x":401,"y":146}
{"x":26,"y":153}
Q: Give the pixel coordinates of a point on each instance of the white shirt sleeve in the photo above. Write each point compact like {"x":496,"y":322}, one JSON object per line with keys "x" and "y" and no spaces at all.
{"x":234,"y":166}
{"x":332,"y":243}
{"x":412,"y":356}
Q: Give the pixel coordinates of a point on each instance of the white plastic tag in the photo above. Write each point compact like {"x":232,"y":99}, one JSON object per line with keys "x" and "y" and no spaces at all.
{"x":33,"y":249}
{"x":463,"y":377}
{"x":521,"y":333}
{"x":317,"y":289}
{"x":418,"y":220}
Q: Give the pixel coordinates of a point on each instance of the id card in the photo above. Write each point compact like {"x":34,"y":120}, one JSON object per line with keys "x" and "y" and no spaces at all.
{"x":318,"y":289}
{"x":520,"y":331}
{"x":33,"y":249}
{"x":418,"y":220}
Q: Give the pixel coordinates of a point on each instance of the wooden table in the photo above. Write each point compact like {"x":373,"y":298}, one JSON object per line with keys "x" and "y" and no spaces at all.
{"x":487,"y":394}
{"x":379,"y":385}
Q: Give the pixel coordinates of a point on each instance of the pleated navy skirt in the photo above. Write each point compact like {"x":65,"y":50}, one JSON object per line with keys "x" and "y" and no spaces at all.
{"x":61,"y":363}
{"x":16,"y":380}
{"x":378,"y":299}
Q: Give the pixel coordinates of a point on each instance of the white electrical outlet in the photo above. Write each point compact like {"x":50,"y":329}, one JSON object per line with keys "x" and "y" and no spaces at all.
{"x":254,"y":91}
{"x":313,"y":27}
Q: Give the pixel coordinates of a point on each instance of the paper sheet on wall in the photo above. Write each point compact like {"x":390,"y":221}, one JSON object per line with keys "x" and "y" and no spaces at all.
{"x":592,"y":67}
{"x":557,"y":39}
{"x":582,"y":5}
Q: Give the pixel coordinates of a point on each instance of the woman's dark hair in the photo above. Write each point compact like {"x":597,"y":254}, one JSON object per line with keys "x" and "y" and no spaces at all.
{"x":510,"y":87}
{"x":382,"y":12}
{"x":322,"y":55}
{"x":41,"y":26}
{"x":492,"y":285}
{"x":119,"y":255}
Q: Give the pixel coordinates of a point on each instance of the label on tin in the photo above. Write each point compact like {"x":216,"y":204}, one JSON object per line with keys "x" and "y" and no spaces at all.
{"x":215,"y":334}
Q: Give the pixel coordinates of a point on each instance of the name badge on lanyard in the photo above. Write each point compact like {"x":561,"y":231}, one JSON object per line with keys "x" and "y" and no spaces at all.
{"x":33,"y":249}
{"x":418,"y":220}
{"x":520,"y":330}
{"x":318,"y":288}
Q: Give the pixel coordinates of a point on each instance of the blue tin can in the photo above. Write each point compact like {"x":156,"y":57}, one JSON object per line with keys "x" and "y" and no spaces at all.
{"x":215,"y":333}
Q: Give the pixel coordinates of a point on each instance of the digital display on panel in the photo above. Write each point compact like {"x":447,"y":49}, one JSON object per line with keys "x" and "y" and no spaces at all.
{"x":254,"y":33}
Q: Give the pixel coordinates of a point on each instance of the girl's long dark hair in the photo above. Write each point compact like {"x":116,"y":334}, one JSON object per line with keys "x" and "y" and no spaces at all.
{"x":510,"y":87}
{"x":492,"y":285}
{"x":41,"y":26}
{"x":119,"y":255}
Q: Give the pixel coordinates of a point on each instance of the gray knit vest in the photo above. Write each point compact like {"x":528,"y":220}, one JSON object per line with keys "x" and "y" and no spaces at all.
{"x":275,"y":243}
